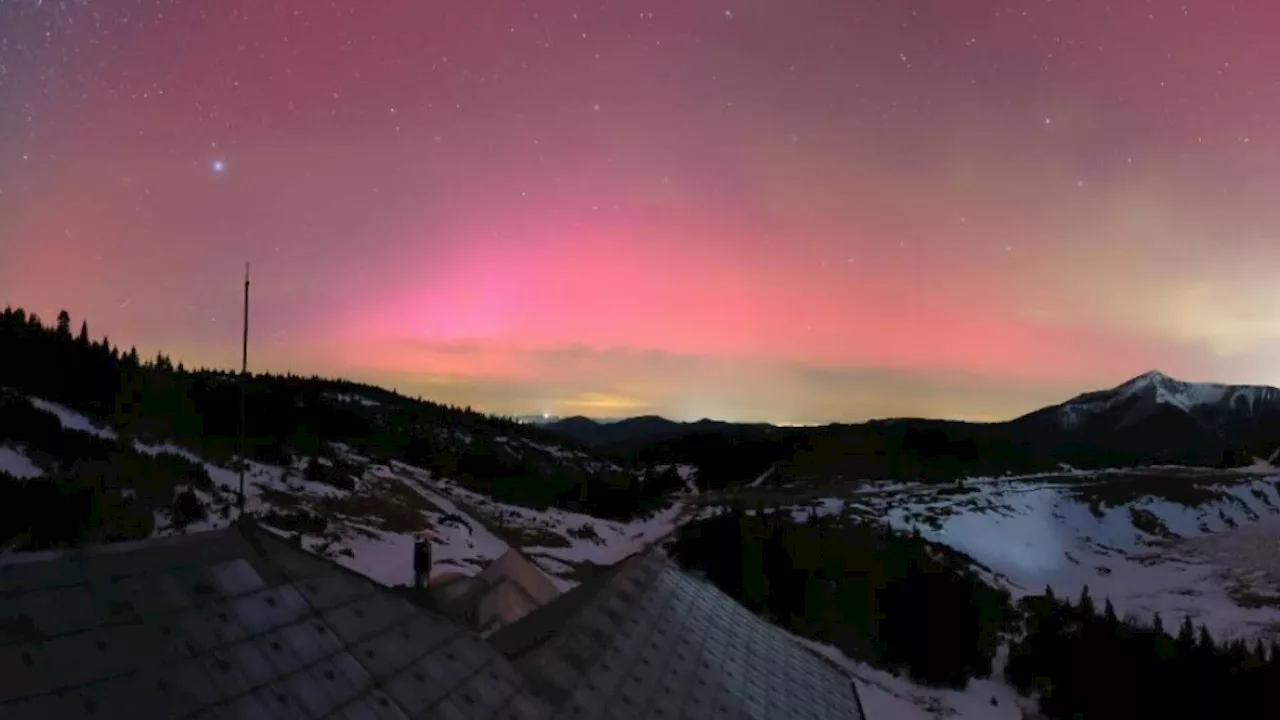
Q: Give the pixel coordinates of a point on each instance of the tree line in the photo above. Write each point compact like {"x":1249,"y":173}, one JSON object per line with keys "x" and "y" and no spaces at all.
{"x":903,"y":604}
{"x":292,"y":417}
{"x":885,"y":597}
{"x":1080,"y":662}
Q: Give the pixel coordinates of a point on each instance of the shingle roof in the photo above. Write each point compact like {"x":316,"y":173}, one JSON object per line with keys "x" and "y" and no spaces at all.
{"x":233,"y":623}
{"x":647,"y":640}
{"x":239,"y":623}
{"x":502,"y":594}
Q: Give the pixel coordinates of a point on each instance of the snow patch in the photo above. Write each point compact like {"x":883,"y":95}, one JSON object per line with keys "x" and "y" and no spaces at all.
{"x":14,"y":462}
{"x":166,"y":449}
{"x":687,"y":473}
{"x":72,"y":420}
{"x":589,"y":539}
{"x":884,"y":696}
{"x":763,"y":477}
{"x":354,"y":399}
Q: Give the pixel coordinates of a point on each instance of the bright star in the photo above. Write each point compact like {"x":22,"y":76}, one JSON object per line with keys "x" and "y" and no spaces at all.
{"x":219,"y":166}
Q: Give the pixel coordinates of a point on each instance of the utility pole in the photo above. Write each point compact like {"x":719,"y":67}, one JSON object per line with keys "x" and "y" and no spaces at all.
{"x":244,"y":378}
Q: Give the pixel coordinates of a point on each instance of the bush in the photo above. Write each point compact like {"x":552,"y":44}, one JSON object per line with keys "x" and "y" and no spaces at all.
{"x":187,"y":508}
{"x":296,"y":521}
{"x":338,"y":475}
{"x":585,"y":531}
{"x":126,"y":519}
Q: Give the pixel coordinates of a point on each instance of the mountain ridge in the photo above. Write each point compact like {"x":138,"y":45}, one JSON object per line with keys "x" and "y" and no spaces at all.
{"x":1150,"y":419}
{"x":1193,"y":392}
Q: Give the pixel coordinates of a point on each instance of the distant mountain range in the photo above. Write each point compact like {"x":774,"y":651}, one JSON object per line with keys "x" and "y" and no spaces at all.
{"x":1150,"y":419}
{"x":642,"y":429}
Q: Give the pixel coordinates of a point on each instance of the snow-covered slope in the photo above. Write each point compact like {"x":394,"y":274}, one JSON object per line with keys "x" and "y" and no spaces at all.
{"x":885,"y":696}
{"x":366,"y":519}
{"x":1178,"y":541}
{"x":1170,"y":540}
{"x":17,"y":464}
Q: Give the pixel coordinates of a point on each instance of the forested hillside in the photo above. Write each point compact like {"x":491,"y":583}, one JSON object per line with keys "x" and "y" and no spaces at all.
{"x":154,"y":414}
{"x":901,"y":603}
{"x":1082,"y":662}
{"x":881,"y":596}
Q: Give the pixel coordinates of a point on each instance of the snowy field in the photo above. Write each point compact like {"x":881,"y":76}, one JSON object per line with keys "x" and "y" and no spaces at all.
{"x":1178,"y":541}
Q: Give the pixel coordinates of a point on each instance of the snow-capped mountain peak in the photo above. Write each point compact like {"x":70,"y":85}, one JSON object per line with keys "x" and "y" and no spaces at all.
{"x":1147,"y":392}
{"x":1171,"y":391}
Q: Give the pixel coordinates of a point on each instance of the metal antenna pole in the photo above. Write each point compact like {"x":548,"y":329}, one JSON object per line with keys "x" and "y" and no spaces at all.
{"x":244,"y":375}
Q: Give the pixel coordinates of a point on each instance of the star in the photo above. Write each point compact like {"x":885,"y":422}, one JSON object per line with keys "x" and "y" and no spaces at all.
{"x":218,"y":166}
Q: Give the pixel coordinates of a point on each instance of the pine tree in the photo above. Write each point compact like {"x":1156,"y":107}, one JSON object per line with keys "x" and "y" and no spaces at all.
{"x":1109,"y":614}
{"x":1087,"y":611}
{"x":1205,"y":642}
{"x":1157,"y":624}
{"x":64,"y":325}
{"x":1239,"y":652}
{"x":1259,"y":654}
{"x":1186,"y":636}
{"x":83,"y":338}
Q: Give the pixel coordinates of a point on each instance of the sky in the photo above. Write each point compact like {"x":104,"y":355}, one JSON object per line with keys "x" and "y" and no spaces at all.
{"x":799,"y":211}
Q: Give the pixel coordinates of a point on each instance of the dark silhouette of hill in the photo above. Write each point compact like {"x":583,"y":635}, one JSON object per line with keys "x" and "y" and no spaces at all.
{"x":593,"y":432}
{"x":637,"y":432}
{"x":1149,"y":420}
{"x":290,"y":419}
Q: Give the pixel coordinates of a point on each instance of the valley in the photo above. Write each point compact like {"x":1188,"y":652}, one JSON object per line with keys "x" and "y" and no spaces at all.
{"x":1177,"y":541}
{"x":1171,"y":540}
{"x":135,"y":449}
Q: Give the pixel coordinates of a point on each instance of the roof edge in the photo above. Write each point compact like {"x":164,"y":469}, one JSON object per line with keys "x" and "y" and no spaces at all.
{"x":21,"y":557}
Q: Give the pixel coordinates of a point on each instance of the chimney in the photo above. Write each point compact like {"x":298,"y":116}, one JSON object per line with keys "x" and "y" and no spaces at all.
{"x":421,"y":561}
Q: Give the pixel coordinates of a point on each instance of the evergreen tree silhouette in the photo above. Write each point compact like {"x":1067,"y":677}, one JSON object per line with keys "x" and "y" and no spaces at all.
{"x":1186,"y":636}
{"x":64,"y":325}
{"x":1087,"y":611}
{"x":1205,"y":642}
